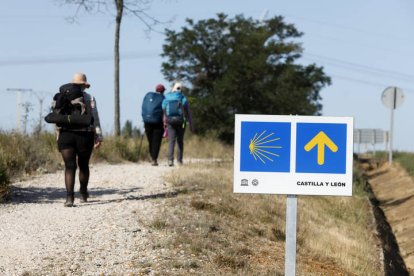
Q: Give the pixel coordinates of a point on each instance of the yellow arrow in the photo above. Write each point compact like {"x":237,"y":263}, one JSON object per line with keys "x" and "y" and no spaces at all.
{"x":320,"y":140}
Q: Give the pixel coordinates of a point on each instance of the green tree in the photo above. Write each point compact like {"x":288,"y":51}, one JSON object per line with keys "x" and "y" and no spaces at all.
{"x":240,"y":65}
{"x":129,"y":131}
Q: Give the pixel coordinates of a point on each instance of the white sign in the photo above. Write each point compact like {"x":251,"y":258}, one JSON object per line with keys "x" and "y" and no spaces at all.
{"x":369,"y":136}
{"x":392,"y":97}
{"x":298,"y":155}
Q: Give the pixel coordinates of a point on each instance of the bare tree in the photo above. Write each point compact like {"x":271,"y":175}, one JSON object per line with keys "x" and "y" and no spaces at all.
{"x":137,"y":8}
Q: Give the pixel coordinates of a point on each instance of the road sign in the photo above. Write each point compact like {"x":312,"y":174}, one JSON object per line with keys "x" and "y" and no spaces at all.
{"x":369,"y":136}
{"x":308,"y":155}
{"x":392,"y":97}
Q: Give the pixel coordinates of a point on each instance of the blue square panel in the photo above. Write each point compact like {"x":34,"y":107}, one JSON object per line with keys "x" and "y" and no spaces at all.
{"x":265,"y":147}
{"x":321,"y":148}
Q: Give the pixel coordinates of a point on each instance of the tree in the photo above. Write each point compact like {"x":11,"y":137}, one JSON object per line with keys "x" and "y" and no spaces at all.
{"x":136,"y":8}
{"x":129,"y":131}
{"x":241,"y":66}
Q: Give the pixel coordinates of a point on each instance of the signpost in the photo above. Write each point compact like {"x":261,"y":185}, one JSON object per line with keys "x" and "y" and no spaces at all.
{"x":370,"y":136}
{"x":392,"y":97}
{"x":293,"y":155}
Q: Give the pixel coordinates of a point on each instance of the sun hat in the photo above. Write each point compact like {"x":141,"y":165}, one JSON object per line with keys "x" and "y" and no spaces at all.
{"x":80,"y":78}
{"x":160,"y":88}
{"x":177,"y":86}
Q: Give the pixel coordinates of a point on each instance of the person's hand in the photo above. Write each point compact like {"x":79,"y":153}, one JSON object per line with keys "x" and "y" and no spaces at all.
{"x":97,"y":144}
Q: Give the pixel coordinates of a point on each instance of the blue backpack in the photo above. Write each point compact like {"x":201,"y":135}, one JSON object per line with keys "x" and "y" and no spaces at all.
{"x":174,"y":109}
{"x":152,"y":108}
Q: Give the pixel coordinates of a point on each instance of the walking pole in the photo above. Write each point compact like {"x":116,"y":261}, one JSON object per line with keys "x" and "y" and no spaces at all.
{"x":140,"y":145}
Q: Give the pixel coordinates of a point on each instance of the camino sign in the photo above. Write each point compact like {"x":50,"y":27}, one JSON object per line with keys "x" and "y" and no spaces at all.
{"x":297,"y":155}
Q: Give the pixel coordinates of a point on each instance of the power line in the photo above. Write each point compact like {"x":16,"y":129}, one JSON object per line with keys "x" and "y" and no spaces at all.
{"x":344,"y":27}
{"x":74,"y":59}
{"x":135,"y":55}
{"x":376,"y":84}
{"x":361,"y":67}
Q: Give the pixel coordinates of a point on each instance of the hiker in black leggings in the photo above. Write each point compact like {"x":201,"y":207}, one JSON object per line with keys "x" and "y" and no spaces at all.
{"x":76,"y":145}
{"x":152,"y":115}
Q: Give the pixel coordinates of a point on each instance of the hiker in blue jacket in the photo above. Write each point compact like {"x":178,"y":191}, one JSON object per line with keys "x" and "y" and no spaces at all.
{"x":152,"y":115}
{"x":176,"y":115}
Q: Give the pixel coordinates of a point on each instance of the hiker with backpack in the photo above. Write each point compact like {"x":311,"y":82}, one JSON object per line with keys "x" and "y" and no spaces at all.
{"x":176,"y":115}
{"x":152,"y":115}
{"x":78,"y":128}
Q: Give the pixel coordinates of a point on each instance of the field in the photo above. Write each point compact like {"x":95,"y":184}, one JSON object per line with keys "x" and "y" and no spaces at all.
{"x":222,"y":233}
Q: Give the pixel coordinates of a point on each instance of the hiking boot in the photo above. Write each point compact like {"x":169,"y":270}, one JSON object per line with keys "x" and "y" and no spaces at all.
{"x":170,"y":163}
{"x":69,"y":200}
{"x":154,"y":163}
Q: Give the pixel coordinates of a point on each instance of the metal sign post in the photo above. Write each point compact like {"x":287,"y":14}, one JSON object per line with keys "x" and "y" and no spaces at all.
{"x":391,"y":136}
{"x":290,"y":244}
{"x":392,"y":97}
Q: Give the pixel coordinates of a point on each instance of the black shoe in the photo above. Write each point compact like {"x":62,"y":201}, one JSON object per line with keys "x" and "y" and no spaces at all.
{"x":154,"y":163}
{"x":69,"y":200}
{"x":170,"y":163}
{"x":84,"y":196}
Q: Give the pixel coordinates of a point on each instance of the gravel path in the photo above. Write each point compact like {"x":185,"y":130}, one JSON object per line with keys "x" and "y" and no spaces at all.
{"x":108,"y":235}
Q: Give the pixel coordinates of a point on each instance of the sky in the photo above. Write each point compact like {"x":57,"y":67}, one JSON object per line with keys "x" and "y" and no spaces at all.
{"x":365,"y":46}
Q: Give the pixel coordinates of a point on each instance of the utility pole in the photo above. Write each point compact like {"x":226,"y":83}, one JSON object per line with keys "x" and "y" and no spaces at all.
{"x":41,"y":95}
{"x":18,"y":105}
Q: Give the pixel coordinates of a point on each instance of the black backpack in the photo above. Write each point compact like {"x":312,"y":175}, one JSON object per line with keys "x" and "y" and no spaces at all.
{"x":70,"y":109}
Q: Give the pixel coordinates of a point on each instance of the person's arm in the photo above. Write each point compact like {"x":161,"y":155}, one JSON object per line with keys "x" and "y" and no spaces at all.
{"x":188,"y":115}
{"x":164,"y":114}
{"x":190,"y":118}
{"x":96,"y":122}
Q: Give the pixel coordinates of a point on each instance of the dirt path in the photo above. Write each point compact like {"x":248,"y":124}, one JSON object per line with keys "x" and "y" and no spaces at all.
{"x":108,"y":235}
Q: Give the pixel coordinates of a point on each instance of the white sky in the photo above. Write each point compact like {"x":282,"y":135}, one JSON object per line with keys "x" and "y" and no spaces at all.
{"x":365,"y":46}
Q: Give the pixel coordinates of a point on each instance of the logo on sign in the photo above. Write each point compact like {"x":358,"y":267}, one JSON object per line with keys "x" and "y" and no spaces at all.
{"x":261,"y":147}
{"x":265,"y":147}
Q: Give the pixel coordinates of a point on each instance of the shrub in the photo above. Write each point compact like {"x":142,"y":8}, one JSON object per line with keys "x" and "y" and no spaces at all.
{"x":117,"y":149}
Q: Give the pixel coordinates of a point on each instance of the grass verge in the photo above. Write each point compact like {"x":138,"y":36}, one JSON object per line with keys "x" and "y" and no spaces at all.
{"x":211,"y":231}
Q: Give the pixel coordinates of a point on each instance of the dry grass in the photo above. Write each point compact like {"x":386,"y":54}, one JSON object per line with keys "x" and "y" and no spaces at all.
{"x":135,"y":149}
{"x":26,"y":154}
{"x":21,"y":155}
{"x":211,"y":231}
{"x":205,"y":147}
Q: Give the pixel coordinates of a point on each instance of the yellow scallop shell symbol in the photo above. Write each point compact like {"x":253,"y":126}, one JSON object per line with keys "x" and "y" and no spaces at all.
{"x":262,"y":147}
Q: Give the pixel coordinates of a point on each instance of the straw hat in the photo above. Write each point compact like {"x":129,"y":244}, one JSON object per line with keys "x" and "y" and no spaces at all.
{"x":80,"y":78}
